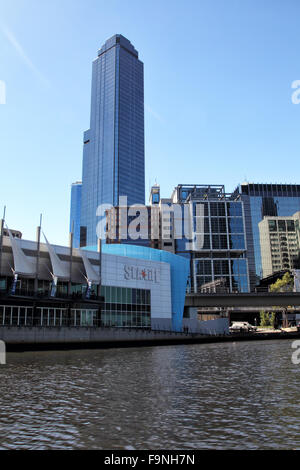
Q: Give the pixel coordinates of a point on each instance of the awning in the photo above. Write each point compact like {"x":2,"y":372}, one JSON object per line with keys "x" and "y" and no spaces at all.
{"x":59,"y":268}
{"x":92,"y":275}
{"x":23,"y":265}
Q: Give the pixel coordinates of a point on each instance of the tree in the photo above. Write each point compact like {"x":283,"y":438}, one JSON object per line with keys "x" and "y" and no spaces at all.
{"x":264,"y":319}
{"x":285,"y":284}
{"x":273,"y":319}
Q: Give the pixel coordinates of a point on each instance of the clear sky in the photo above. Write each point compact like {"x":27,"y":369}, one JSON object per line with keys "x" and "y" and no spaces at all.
{"x":218,"y":76}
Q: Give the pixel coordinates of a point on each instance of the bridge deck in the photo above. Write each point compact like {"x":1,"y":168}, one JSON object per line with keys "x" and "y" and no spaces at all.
{"x":265,"y":299}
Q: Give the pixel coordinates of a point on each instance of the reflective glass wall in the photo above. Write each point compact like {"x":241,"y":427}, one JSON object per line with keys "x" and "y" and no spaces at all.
{"x":262,"y":200}
{"x":113,"y":155}
{"x":126,"y":307}
{"x":217,"y":251}
{"x":75,"y":212}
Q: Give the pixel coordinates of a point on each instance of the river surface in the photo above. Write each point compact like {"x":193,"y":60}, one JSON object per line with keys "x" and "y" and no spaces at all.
{"x":210,"y":396}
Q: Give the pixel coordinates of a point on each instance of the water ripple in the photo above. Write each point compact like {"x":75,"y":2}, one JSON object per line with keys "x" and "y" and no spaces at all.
{"x":216,"y":396}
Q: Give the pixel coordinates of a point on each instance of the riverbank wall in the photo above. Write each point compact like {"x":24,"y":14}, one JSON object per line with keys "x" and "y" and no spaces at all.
{"x":45,"y":338}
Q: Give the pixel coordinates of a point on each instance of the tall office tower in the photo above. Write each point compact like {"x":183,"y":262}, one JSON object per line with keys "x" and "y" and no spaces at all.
{"x":75,"y":212}
{"x":113,"y":154}
{"x":262,"y":200}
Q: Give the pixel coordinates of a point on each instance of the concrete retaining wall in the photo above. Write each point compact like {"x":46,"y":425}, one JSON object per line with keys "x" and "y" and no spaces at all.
{"x":69,"y":335}
{"x":220,"y":326}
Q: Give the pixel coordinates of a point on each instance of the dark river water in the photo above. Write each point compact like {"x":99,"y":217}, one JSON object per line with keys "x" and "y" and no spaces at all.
{"x":215,"y":396}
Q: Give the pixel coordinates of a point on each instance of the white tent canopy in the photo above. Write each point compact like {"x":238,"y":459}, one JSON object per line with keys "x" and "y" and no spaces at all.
{"x":23,"y":265}
{"x":60,"y":269}
{"x":92,"y":275}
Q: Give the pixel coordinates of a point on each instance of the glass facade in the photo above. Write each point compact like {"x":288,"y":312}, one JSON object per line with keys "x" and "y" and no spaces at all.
{"x":217,"y":251}
{"x":262,"y":200}
{"x":122,"y":307}
{"x":75,"y":212}
{"x":126,"y":307}
{"x":113,"y":154}
{"x":13,"y":315}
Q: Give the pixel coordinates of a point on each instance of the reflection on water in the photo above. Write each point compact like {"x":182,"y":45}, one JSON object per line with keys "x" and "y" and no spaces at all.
{"x":242,"y":396}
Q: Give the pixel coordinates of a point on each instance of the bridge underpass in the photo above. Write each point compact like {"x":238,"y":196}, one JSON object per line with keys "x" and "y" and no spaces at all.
{"x":242,"y":307}
{"x":266,"y":299}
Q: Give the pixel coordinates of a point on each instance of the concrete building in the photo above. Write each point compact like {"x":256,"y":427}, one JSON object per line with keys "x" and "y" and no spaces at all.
{"x":279,"y":243}
{"x":138,"y":225}
{"x":150,"y":226}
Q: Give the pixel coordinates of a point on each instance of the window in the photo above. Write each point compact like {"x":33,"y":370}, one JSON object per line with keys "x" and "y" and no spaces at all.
{"x":236,"y":225}
{"x":237,"y":242}
{"x":272,"y":225}
{"x":290,"y":224}
{"x":133,"y":311}
{"x":219,"y":242}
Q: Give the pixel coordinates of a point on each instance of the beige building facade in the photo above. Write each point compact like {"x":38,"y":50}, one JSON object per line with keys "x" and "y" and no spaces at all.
{"x":279,"y":243}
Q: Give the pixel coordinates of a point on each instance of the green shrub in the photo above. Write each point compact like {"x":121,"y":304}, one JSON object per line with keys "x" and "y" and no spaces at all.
{"x":264,"y":319}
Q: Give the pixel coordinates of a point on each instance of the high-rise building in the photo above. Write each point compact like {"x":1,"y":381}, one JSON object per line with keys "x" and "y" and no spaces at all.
{"x":215,"y":241}
{"x":262,"y":200}
{"x":75,"y":212}
{"x":113,"y":154}
{"x":279,"y":243}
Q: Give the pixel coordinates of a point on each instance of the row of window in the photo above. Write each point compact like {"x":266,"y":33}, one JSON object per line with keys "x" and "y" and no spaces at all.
{"x":123,"y":295}
{"x":219,"y":209}
{"x":218,"y":242}
{"x":56,"y":317}
{"x":222,"y":283}
{"x":218,"y":225}
{"x":220,"y":267}
{"x":281,"y":225}
{"x":44,"y":316}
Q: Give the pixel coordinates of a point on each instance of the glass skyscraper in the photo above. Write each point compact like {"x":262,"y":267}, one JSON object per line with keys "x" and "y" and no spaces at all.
{"x":75,"y":212}
{"x":262,"y":200}
{"x":113,"y":154}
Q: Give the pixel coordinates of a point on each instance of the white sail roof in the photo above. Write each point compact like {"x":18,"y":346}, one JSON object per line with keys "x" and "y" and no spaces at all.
{"x":23,"y":265}
{"x":59,"y":268}
{"x":91,"y":273}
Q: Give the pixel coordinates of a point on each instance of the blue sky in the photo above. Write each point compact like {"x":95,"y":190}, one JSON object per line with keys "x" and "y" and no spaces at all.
{"x":218,"y":76}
